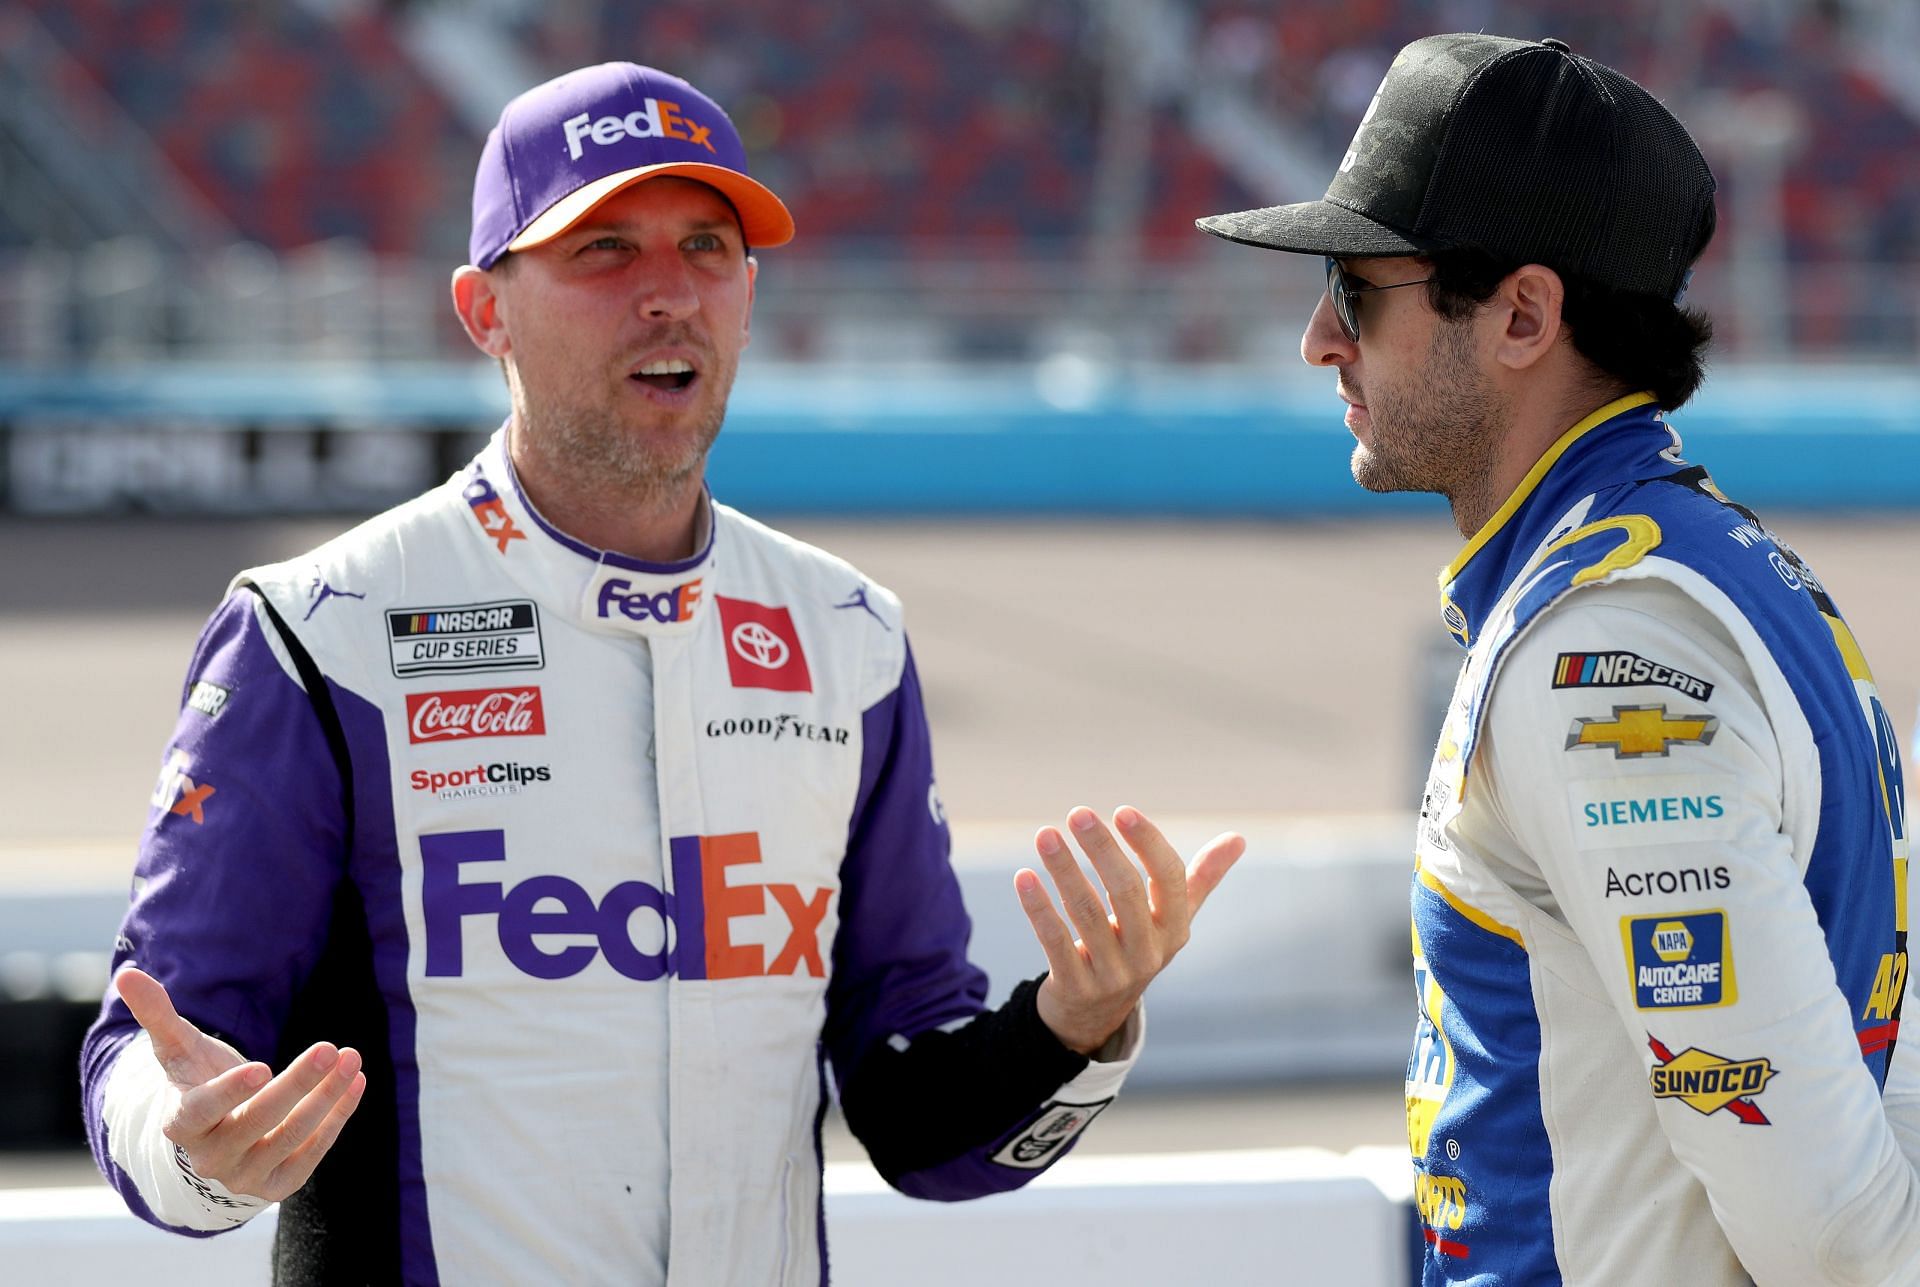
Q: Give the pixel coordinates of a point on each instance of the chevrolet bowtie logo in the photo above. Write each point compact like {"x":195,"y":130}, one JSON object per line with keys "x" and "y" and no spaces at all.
{"x":1638,"y":731}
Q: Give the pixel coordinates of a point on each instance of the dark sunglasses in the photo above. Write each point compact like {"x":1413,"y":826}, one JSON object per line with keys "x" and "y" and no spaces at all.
{"x":1344,"y":292}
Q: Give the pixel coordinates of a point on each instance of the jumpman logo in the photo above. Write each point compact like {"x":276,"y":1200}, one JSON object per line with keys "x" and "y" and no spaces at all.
{"x":858,"y":599}
{"x":320,"y":592}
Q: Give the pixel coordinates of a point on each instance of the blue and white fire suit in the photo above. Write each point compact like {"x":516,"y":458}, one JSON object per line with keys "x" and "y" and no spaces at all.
{"x":600,"y":863}
{"x":1660,"y":906}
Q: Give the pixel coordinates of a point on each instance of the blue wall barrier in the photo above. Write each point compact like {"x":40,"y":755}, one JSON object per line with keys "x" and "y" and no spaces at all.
{"x":1010,"y":441}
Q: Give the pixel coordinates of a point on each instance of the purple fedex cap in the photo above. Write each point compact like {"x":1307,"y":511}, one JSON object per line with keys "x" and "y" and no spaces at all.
{"x":562,"y":148}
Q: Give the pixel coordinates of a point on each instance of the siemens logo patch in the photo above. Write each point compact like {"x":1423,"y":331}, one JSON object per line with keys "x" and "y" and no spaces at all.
{"x":1667,"y":809}
{"x":1653,"y":808}
{"x":465,"y":636}
{"x":1623,"y":670}
{"x":1680,"y":960}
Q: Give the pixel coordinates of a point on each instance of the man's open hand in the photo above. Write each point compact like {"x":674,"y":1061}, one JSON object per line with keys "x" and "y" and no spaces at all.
{"x":255,"y":1133}
{"x":1095,"y":980}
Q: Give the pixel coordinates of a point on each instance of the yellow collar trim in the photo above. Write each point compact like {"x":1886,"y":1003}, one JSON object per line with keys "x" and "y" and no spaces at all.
{"x":1532,"y":480}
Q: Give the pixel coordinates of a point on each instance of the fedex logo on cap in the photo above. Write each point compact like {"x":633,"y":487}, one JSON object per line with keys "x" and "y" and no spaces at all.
{"x":656,"y":119}
{"x":698,"y":936}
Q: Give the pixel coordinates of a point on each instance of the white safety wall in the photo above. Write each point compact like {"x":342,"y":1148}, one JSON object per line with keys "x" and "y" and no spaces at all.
{"x":1297,"y":1216}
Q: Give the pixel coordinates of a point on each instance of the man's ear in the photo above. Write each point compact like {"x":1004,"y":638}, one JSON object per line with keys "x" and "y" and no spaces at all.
{"x":1527,"y":305}
{"x":746,"y":318}
{"x":478,"y":305}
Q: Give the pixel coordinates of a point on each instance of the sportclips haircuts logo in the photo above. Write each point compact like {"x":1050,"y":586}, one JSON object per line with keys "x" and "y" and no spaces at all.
{"x":479,"y":780}
{"x":475,"y":712}
{"x":700,"y":934}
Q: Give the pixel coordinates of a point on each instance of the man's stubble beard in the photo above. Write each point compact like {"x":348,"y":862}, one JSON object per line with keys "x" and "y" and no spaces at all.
{"x":1441,"y":433}
{"x":594,"y":452}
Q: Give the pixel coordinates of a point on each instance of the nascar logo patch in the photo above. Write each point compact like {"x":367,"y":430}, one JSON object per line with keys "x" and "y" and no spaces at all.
{"x":1620,"y":669}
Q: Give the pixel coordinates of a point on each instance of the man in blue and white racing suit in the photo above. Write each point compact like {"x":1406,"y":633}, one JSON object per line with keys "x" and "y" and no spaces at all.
{"x":1660,"y":901}
{"x":551,"y":834}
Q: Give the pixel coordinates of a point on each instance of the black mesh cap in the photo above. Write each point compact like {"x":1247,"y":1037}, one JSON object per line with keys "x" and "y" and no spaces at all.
{"x":1523,"y":150}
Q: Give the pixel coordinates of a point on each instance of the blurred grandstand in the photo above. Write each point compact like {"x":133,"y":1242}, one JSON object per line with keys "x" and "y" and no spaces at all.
{"x":975,"y":180}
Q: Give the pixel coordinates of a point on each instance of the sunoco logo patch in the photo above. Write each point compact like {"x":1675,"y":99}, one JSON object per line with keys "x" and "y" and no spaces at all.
{"x":1709,"y":1083}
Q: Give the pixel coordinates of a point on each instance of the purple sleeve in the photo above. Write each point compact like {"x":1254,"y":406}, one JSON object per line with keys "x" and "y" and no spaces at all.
{"x":900,"y":959}
{"x":237,"y":867}
{"x":933,"y":1085}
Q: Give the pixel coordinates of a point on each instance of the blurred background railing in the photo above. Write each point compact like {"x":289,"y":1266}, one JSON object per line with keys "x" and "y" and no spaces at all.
{"x":126,"y":300}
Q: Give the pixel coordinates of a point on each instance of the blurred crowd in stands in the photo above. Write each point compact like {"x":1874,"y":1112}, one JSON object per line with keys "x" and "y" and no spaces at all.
{"x":902,"y":130}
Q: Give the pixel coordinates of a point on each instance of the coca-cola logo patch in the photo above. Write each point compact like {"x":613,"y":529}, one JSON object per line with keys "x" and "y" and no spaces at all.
{"x":475,"y":712}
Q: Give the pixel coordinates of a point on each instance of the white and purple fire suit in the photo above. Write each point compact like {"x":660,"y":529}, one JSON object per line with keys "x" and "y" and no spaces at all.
{"x":599,"y":863}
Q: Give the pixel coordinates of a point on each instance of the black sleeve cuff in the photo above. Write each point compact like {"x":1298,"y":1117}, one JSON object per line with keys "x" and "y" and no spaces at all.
{"x":947,"y":1093}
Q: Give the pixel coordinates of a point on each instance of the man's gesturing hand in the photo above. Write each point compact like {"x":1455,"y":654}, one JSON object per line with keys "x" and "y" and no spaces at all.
{"x":1096,"y":980}
{"x":257,"y":1134}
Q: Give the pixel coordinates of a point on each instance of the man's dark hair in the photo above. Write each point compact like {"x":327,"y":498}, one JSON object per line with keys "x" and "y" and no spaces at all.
{"x":1639,"y":341}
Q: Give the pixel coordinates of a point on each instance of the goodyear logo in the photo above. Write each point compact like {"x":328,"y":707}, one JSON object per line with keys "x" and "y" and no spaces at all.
{"x":1709,"y":1083}
{"x":1679,"y":961}
{"x":1637,"y":732}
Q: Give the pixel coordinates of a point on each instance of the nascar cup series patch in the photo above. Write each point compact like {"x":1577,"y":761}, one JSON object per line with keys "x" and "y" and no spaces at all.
{"x":461,"y":637}
{"x":1680,"y":960}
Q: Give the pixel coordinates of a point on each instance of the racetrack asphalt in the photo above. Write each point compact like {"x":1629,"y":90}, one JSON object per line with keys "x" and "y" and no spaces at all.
{"x":1217,"y":669}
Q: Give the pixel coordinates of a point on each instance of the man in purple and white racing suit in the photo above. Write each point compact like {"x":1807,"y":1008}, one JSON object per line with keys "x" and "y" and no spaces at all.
{"x":552,"y":833}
